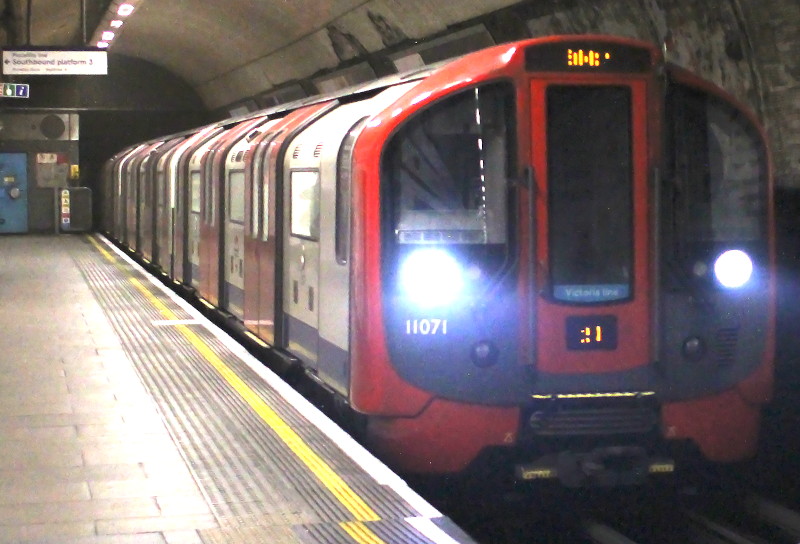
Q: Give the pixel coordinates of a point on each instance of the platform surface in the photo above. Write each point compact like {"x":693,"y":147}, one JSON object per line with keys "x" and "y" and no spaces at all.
{"x":125,"y":417}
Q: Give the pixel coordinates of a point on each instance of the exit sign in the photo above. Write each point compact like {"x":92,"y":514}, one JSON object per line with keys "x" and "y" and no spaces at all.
{"x":15,"y":90}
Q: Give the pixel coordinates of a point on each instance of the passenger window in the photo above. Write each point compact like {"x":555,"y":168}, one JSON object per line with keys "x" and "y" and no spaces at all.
{"x":236,"y":196}
{"x":305,"y":203}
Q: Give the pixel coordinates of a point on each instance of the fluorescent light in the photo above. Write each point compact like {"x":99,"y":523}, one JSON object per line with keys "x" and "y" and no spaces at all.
{"x":102,"y":45}
{"x":107,"y":36}
{"x":116,"y":23}
{"x":124,"y":10}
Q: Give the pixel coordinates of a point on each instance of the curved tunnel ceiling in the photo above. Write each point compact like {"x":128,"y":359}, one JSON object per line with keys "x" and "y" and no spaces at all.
{"x":230,"y":48}
{"x":233,"y":50}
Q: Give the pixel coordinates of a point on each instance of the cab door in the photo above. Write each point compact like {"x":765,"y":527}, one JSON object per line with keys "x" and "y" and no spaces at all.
{"x":590,"y":158}
{"x":14,"y":192}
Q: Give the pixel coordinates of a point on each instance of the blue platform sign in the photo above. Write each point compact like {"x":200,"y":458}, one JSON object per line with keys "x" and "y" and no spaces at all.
{"x":13,"y":192}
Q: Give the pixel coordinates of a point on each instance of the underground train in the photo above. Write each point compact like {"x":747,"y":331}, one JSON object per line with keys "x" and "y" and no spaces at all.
{"x":559,"y":250}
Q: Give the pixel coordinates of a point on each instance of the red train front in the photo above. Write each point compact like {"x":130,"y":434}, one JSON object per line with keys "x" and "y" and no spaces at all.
{"x":557,"y":258}
{"x":561,"y":249}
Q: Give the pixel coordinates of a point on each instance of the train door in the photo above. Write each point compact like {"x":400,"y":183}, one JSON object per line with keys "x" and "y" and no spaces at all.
{"x":198,"y":207}
{"x":14,"y":192}
{"x":301,"y":261}
{"x":590,"y":161}
{"x":301,"y":194}
{"x":120,"y":192}
{"x":164,"y":207}
{"x":158,"y":181}
{"x":258,"y":201}
{"x":185,"y":174}
{"x":271,"y":321}
{"x":233,"y":263}
{"x":212,"y":247}
{"x":147,"y":201}
{"x":241,"y":199}
{"x":130,"y":195}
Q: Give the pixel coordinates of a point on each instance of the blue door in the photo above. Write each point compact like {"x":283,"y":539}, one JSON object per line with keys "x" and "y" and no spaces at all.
{"x":13,"y":192}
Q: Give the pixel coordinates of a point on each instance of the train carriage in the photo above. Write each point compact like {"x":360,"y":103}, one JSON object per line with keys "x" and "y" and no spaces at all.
{"x":185,"y":225}
{"x":561,"y":249}
{"x":151,"y":199}
{"x":264,"y":205}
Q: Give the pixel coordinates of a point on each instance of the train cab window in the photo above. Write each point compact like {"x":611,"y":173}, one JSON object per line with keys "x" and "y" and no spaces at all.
{"x":718,"y":170}
{"x":449,"y":169}
{"x":714,"y":189}
{"x":590,"y":186}
{"x":235,"y":204}
{"x":195,"y":188}
{"x":304,"y":187}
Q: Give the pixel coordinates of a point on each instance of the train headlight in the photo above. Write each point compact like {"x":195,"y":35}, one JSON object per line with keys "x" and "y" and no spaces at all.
{"x":431,"y":277}
{"x":733,"y":268}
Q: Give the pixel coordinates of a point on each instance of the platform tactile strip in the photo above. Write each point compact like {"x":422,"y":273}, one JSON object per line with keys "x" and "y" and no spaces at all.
{"x":255,"y":486}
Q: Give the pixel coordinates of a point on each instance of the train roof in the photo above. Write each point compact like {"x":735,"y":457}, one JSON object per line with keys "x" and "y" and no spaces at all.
{"x":490,"y":59}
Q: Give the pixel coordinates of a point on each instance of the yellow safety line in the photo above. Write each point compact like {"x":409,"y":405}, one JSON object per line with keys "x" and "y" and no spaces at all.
{"x":343,"y":492}
{"x":360,"y":532}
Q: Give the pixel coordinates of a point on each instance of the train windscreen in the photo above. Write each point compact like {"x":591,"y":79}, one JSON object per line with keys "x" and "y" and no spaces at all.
{"x":719,"y":170}
{"x":590,"y":192}
{"x":450,"y":168}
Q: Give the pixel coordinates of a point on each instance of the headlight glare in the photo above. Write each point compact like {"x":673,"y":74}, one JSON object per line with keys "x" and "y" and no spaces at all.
{"x":733,"y":268}
{"x":431,"y":277}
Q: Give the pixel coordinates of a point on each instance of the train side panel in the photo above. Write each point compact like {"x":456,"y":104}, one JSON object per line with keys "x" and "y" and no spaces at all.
{"x":318,"y":268}
{"x":257,"y":238}
{"x":161,"y":203}
{"x":198,"y":208}
{"x":213,"y":202}
{"x":186,"y":201}
{"x":234,"y":217}
{"x":270,"y":249}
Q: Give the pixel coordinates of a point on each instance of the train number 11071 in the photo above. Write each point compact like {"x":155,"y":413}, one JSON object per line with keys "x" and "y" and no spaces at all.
{"x":426,"y":326}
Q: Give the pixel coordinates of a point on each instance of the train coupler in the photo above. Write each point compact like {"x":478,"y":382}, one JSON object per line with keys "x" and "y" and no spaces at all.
{"x":601,"y":467}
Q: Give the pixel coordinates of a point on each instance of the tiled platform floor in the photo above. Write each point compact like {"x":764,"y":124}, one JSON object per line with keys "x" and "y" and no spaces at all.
{"x":83,"y":450}
{"x":115,"y":427}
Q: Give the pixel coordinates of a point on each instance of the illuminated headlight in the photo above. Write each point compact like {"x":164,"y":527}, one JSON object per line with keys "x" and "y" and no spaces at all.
{"x":733,"y":268}
{"x":431,"y":277}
